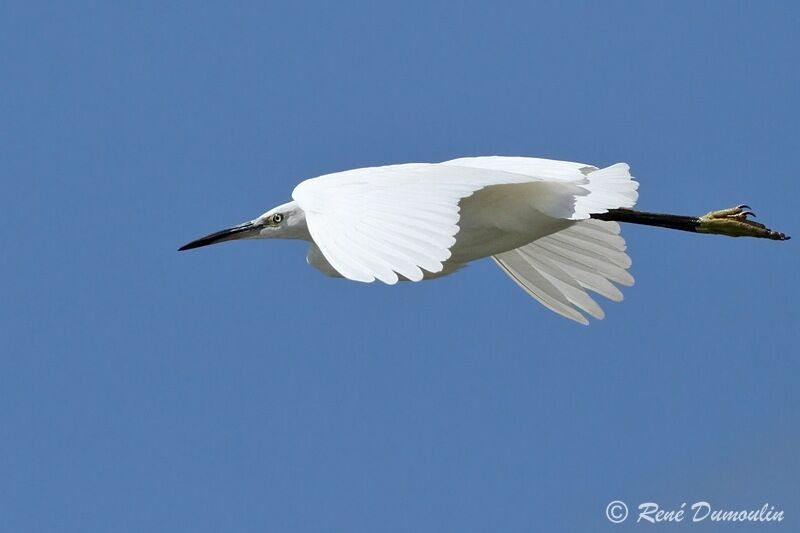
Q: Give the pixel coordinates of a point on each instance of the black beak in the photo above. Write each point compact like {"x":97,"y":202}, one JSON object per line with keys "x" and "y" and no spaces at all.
{"x":230,"y":234}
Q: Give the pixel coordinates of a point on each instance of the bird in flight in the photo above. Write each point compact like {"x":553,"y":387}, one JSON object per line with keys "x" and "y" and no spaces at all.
{"x":552,"y":226}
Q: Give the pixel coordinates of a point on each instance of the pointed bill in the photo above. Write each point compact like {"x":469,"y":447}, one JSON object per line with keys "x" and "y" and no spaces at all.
{"x":242,"y":231}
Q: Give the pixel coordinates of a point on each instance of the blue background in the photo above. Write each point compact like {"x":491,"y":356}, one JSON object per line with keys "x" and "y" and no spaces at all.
{"x":234,"y":388}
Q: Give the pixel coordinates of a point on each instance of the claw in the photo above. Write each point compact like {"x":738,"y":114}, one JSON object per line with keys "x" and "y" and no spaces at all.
{"x":734,"y":223}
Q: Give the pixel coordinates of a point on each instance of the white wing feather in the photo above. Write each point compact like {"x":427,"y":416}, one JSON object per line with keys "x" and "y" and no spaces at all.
{"x":376,"y":223}
{"x":558,"y":268}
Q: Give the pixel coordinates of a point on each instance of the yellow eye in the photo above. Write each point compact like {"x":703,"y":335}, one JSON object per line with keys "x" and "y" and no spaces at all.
{"x":277,"y":218}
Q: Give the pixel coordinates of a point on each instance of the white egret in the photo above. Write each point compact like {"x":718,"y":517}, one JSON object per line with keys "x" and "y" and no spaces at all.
{"x":550,"y":225}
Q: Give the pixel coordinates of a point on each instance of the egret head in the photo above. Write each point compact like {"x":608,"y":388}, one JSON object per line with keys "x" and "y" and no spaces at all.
{"x":287,"y":221}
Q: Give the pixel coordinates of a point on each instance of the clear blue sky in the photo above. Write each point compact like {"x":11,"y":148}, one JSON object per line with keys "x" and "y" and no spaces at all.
{"x":234,"y":388}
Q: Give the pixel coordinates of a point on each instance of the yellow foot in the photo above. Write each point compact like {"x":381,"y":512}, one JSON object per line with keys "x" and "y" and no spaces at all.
{"x":733,"y":222}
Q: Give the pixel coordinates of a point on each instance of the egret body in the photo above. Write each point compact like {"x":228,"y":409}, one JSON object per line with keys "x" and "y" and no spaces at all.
{"x":550,"y":225}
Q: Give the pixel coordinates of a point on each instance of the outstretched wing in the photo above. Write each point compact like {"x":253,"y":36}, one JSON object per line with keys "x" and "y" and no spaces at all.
{"x":559,"y":268}
{"x":378,"y":223}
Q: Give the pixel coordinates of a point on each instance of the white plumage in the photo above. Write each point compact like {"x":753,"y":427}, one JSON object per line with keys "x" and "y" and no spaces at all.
{"x":557,"y":269}
{"x":420,"y":221}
